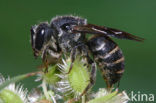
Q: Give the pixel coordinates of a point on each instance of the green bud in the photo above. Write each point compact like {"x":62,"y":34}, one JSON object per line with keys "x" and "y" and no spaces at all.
{"x":50,"y":77}
{"x":8,"y":96}
{"x":73,"y":83}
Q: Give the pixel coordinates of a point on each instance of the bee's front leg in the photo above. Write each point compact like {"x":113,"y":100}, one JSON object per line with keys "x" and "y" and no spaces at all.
{"x":45,"y":61}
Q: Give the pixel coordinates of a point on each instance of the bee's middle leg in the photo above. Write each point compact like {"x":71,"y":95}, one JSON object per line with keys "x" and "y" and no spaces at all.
{"x":73,"y":56}
{"x":92,"y":75}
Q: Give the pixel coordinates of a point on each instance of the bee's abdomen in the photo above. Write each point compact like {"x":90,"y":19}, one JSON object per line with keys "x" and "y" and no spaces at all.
{"x":109,"y":58}
{"x":113,"y":63}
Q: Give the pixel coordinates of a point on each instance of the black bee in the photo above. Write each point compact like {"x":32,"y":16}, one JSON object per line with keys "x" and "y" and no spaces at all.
{"x":67,"y":35}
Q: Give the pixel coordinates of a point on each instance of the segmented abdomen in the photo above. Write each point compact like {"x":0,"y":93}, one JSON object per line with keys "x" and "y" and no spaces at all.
{"x":109,"y":58}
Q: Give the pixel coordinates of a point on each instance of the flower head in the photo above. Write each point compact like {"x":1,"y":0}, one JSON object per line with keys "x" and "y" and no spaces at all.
{"x":12,"y":93}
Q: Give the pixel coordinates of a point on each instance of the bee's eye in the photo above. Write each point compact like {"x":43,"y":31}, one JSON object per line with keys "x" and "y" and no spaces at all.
{"x":39,"y":39}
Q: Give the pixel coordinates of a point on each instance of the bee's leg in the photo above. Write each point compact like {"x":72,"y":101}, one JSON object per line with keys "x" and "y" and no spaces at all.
{"x":92,"y":75}
{"x":54,"y":56}
{"x":45,"y":61}
{"x":109,"y":86}
{"x":72,"y":56}
{"x":106,"y":77}
{"x":82,"y":48}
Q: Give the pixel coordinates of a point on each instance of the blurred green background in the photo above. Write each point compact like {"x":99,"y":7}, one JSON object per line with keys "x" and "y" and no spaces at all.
{"x":134,"y":16}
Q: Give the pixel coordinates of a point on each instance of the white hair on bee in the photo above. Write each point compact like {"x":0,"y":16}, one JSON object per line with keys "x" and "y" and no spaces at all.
{"x":76,"y":17}
{"x":34,"y":28}
{"x":60,"y":33}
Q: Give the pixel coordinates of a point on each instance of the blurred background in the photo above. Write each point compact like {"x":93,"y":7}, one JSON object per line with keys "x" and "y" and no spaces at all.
{"x":134,"y":16}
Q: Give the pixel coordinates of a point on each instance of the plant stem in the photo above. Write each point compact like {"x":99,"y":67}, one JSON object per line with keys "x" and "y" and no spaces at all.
{"x":44,"y":87}
{"x":17,"y":78}
{"x":83,"y":99}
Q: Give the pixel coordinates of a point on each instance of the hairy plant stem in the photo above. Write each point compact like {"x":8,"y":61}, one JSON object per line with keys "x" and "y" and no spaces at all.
{"x":83,"y":99}
{"x":45,"y":91}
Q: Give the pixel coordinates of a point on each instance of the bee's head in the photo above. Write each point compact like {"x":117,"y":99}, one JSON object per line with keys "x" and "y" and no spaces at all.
{"x":40,"y":35}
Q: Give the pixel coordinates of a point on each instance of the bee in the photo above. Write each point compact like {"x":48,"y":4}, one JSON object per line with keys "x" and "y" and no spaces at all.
{"x":67,"y":35}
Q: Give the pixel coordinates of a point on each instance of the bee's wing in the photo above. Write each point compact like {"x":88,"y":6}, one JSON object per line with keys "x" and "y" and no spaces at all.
{"x":94,"y":29}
